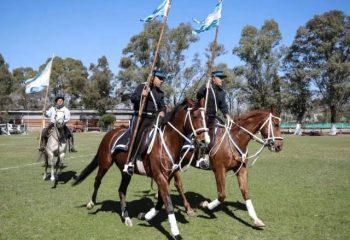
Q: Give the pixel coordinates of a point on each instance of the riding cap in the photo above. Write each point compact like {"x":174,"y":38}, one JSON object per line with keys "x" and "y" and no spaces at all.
{"x":219,"y":74}
{"x":159,"y":74}
{"x":59,"y":97}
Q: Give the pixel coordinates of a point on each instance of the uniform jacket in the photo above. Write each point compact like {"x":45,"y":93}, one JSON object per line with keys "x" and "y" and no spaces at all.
{"x":220,"y":96}
{"x":51,"y":113}
{"x":150,"y":107}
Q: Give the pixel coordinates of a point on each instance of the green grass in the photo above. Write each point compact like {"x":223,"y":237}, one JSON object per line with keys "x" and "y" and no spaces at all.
{"x":299,"y":193}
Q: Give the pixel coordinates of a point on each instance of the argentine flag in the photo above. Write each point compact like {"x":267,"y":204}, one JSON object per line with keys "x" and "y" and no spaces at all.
{"x":160,"y":11}
{"x":211,"y":21}
{"x":40,"y":81}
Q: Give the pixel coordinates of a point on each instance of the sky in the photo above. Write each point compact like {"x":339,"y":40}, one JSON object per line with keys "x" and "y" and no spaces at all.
{"x":31,"y":31}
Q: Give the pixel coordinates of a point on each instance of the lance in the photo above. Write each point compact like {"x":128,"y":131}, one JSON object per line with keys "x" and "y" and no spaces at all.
{"x":150,"y":75}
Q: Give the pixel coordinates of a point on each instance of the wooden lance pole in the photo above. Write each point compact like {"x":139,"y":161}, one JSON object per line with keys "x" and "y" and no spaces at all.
{"x":150,"y":76}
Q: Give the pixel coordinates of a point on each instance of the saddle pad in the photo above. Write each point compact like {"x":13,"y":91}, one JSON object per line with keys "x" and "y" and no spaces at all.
{"x":122,"y":142}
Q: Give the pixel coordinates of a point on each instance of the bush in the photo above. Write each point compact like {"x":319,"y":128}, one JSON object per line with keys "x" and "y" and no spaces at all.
{"x":106,"y":121}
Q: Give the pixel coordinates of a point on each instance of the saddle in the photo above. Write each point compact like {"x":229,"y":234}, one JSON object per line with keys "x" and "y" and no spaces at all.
{"x":123,"y":141}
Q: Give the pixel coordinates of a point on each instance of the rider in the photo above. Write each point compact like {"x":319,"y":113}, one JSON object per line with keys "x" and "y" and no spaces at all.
{"x":154,"y":107}
{"x":216,"y":99}
{"x":51,"y":113}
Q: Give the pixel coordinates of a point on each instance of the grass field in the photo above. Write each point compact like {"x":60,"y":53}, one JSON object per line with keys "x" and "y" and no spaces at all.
{"x":302,"y":192}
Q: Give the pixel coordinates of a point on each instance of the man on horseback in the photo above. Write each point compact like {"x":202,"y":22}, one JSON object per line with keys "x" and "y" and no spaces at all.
{"x":51,"y":113}
{"x":154,"y":107}
{"x":216,"y":99}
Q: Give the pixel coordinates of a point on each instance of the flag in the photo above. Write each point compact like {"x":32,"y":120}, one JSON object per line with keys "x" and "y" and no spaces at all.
{"x":211,"y":21}
{"x":160,"y":11}
{"x":40,"y":81}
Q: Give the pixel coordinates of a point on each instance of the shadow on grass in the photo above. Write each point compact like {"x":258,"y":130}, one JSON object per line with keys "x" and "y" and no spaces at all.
{"x":196,"y":199}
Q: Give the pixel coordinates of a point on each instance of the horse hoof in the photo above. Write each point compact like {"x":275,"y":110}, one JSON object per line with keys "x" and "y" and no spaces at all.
{"x":128,"y":222}
{"x":178,"y":237}
{"x":204,"y":204}
{"x":52,"y":179}
{"x":258,"y":223}
{"x":191,"y":213}
{"x":44,"y":177}
{"x":141,"y":216}
{"x":90,"y":205}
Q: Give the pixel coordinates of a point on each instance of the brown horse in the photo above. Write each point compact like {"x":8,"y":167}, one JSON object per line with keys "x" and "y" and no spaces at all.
{"x":159,"y":162}
{"x":229,"y":152}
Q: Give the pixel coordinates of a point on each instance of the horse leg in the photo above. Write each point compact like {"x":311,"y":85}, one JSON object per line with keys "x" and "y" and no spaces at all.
{"x":243,"y":186}
{"x":51,"y":157}
{"x":163,"y":187}
{"x":100,"y":174}
{"x":179,"y":187}
{"x":123,"y":187}
{"x":46,"y":166}
{"x":220,"y":186}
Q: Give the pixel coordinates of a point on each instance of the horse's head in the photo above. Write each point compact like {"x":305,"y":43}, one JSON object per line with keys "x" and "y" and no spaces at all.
{"x":59,"y":119}
{"x":188,"y":118}
{"x":271,"y":132}
{"x":197,"y":122}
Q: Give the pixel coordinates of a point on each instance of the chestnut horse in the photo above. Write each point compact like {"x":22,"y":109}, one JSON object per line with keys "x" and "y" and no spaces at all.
{"x":229,"y":152}
{"x":159,"y":162}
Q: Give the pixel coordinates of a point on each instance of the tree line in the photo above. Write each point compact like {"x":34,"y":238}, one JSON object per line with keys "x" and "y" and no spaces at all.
{"x":312,"y":73}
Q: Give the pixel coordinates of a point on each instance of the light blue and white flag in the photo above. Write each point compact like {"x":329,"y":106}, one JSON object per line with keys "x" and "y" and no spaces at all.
{"x":40,"y":81}
{"x":160,"y":11}
{"x":212,"y":20}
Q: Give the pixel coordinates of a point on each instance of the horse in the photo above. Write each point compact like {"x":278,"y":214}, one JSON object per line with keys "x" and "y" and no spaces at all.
{"x":55,"y":147}
{"x":159,"y":162}
{"x":229,"y":153}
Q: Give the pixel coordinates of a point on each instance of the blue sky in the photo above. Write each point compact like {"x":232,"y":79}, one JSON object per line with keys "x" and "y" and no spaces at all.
{"x":32,"y":30}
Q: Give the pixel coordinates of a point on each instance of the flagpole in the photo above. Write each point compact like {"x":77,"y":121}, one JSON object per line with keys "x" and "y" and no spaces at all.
{"x":150,"y":75}
{"x":44,"y":107}
{"x":211,"y":63}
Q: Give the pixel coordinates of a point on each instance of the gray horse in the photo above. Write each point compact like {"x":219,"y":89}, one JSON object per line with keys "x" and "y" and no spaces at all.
{"x":55,"y":148}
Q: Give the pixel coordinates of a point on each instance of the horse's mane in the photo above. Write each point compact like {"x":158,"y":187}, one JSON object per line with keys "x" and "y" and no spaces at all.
{"x":250,"y":114}
{"x":169,"y":115}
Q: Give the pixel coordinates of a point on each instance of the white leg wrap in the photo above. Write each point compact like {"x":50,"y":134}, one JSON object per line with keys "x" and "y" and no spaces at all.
{"x":251,"y":210}
{"x":213,"y":204}
{"x":151,"y":214}
{"x":173,"y":225}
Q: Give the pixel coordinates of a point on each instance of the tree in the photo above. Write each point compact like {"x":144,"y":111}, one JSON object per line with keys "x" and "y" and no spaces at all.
{"x":258,"y":49}
{"x":139,"y":54}
{"x":6,"y":85}
{"x":98,"y":92}
{"x":70,"y":77}
{"x":20,"y":98}
{"x":323,"y":44}
{"x":297,"y":93}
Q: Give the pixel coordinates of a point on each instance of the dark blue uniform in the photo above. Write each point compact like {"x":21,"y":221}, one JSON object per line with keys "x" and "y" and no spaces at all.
{"x":219,"y":101}
{"x":153,"y":105}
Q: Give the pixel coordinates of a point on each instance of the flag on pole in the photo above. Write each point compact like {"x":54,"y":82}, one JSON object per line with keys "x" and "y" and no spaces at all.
{"x":40,"y":81}
{"x":212,"y":20}
{"x":160,"y":11}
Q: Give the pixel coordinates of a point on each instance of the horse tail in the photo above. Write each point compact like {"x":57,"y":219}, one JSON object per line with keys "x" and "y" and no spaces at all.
{"x":87,"y":171}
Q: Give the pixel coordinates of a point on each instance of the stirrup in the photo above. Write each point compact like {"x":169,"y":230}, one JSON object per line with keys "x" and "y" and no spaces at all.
{"x":128,"y":168}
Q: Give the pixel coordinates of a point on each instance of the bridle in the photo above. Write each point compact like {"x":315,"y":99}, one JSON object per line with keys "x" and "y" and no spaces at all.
{"x":193,"y":135}
{"x":269,"y":141}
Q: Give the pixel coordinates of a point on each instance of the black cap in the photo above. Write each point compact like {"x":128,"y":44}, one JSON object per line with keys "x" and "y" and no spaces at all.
{"x":219,"y":74}
{"x":59,"y":97}
{"x":159,"y":74}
